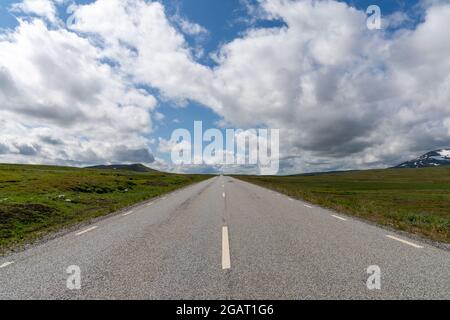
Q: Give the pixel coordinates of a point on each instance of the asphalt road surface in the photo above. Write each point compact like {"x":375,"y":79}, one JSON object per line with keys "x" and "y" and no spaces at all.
{"x":227,"y":239}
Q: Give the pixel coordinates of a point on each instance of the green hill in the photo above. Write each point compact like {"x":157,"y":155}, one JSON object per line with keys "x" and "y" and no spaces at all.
{"x":137,"y":167}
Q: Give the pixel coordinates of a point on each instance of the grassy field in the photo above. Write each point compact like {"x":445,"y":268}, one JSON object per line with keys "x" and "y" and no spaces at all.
{"x":414,"y":200}
{"x":36,"y":200}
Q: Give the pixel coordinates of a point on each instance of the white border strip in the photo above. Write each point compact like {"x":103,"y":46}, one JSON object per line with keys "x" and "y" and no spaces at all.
{"x":405,"y":242}
{"x":6,"y":264}
{"x":337,"y":217}
{"x":87,"y":230}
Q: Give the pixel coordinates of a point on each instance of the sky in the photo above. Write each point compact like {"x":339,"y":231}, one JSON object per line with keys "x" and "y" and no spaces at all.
{"x":108,"y":81}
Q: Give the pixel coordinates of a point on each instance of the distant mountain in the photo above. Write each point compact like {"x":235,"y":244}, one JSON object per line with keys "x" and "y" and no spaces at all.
{"x":431,"y":159}
{"x":137,"y":167}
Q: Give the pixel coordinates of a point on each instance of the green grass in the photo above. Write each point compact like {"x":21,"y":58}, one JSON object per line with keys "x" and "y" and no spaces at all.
{"x":413,"y":200}
{"x":37,"y":200}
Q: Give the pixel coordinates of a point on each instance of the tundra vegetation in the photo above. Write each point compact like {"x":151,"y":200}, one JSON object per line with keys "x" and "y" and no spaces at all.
{"x":413,"y":200}
{"x":37,"y":200}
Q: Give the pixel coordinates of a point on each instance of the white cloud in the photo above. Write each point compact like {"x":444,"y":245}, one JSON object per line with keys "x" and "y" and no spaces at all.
{"x":53,"y":81}
{"x":42,"y":8}
{"x":189,"y":27}
{"x":342,"y":95}
{"x":167,"y":146}
{"x":158,"y":116}
{"x":147,"y":46}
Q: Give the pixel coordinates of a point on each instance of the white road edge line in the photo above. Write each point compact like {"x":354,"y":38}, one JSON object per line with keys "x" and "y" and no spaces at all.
{"x":6,"y":264}
{"x":226,"y":261}
{"x":149,"y":204}
{"x":405,"y":242}
{"x":337,"y":217}
{"x":127,"y":213}
{"x":307,"y":206}
{"x":291,"y":199}
{"x":87,"y":230}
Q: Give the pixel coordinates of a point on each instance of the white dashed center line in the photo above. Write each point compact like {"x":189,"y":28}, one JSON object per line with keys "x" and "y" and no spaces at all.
{"x":127,"y":213}
{"x":337,"y":217}
{"x":226,"y":261}
{"x":405,"y":242}
{"x":6,"y":264}
{"x":87,"y":230}
{"x":223,"y":194}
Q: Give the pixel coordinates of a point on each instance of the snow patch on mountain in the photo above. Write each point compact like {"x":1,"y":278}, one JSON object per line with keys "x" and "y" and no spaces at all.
{"x":444,"y":153}
{"x":431,"y":159}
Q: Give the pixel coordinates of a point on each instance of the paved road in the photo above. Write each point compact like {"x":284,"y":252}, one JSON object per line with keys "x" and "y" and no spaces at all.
{"x":228,"y":239}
